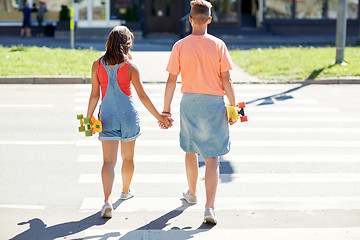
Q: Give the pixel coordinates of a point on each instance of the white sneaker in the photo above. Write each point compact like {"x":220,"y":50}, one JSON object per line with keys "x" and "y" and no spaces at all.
{"x":107,"y":210}
{"x":209,"y":216}
{"x":126,"y":196}
{"x":191,"y":199}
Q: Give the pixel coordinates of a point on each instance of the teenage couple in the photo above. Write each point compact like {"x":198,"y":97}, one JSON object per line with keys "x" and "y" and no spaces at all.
{"x":204,"y":63}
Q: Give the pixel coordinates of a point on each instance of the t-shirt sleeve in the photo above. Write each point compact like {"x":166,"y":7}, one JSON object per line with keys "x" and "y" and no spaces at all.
{"x":173,"y":66}
{"x":225,"y":59}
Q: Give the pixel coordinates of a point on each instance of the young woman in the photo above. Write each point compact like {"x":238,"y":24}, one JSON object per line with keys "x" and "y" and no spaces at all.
{"x":112,"y":74}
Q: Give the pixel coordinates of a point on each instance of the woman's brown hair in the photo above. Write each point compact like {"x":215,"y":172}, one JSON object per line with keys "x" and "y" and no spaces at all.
{"x":118,"y":45}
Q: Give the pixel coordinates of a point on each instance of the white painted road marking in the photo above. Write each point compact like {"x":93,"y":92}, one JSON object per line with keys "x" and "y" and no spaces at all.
{"x":178,"y":157}
{"x":248,"y":143}
{"x":351,"y":233}
{"x":26,"y":106}
{"x":237,"y":178}
{"x":229,"y":203}
{"x":20,"y":206}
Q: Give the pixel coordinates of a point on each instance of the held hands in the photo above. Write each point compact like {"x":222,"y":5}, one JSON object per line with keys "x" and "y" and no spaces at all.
{"x":166,"y":120}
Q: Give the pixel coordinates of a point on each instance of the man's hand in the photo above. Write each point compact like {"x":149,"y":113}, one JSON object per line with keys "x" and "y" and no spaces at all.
{"x":167,"y":121}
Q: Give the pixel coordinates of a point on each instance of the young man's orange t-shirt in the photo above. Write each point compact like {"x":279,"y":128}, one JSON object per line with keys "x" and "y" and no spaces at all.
{"x":200,"y":59}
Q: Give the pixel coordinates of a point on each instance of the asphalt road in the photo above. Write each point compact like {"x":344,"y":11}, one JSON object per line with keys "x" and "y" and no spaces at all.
{"x":293,"y":171}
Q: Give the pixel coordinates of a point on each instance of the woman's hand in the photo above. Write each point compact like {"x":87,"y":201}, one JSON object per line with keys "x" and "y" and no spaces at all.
{"x":166,"y":121}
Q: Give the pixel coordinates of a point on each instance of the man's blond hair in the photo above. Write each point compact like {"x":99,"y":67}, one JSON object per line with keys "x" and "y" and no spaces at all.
{"x":200,"y":11}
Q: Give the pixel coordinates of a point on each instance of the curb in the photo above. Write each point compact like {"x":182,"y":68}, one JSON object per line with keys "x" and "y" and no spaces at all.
{"x":345,"y":80}
{"x":44,"y":80}
{"x":87,"y":80}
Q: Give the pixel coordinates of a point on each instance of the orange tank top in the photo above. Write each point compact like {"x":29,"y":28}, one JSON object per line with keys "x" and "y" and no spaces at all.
{"x":123,"y":79}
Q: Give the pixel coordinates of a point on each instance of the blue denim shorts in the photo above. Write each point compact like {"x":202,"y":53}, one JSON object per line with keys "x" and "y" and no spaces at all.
{"x":125,"y":127}
{"x":116,"y":135}
{"x":204,"y":128}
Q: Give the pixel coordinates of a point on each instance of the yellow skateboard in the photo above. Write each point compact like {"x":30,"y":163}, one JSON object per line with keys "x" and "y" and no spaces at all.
{"x":89,"y":125}
{"x":234,"y":112}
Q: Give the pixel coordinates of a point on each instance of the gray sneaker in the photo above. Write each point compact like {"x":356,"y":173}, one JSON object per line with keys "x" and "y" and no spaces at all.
{"x":209,"y":216}
{"x":126,"y":196}
{"x":107,"y":210}
{"x":191,"y":199}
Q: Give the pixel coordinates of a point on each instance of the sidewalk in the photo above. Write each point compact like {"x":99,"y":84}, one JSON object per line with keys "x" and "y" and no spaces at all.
{"x":165,"y":42}
{"x":152,"y":54}
{"x":152,"y":67}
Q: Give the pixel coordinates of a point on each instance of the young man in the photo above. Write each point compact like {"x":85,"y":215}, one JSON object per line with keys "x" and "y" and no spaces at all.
{"x":204,"y":63}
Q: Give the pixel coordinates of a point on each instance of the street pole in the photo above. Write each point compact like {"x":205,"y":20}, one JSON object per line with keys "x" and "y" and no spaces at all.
{"x":340,"y":31}
{"x":72,"y":25}
{"x":359,"y":30}
{"x":143,"y":17}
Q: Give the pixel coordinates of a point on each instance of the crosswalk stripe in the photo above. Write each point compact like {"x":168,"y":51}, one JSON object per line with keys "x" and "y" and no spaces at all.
{"x":229,"y":203}
{"x":82,"y":86}
{"x":22,"y":206}
{"x":275,"y":109}
{"x":290,"y":101}
{"x":179,"y":157}
{"x":241,"y":87}
{"x":239,"y":143}
{"x":332,"y":233}
{"x":237,"y":178}
{"x":145,"y":118}
{"x":245,"y":129}
{"x":176,"y":101}
{"x":81,"y":94}
{"x":26,"y":106}
{"x":242,"y":96}
{"x":255,"y":116}
{"x":175,"y":143}
{"x":303,"y":119}
{"x":157,"y":99}
{"x":40,"y":143}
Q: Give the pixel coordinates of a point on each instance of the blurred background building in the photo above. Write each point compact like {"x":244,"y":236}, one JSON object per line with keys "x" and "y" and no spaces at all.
{"x":282,"y":17}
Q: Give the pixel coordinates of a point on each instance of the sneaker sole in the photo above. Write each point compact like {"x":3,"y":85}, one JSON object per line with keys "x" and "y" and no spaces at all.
{"x":127,"y":198}
{"x":107,"y":213}
{"x":210,"y":220}
{"x":189,"y":202}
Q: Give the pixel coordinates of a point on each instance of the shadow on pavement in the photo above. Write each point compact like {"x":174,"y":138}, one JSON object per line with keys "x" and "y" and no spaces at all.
{"x":225,"y":168}
{"x":155,"y":229}
{"x":272,"y":99}
{"x":40,"y":231}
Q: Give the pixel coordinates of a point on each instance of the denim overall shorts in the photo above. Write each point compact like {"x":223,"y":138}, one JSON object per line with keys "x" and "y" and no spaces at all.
{"x":118,"y":114}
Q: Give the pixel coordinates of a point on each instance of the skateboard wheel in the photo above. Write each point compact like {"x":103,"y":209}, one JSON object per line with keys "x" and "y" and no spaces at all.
{"x":241,"y":105}
{"x":87,"y":120}
{"x":88,"y":133}
{"x":82,"y":129}
{"x":243,"y":119}
{"x":79,"y":116}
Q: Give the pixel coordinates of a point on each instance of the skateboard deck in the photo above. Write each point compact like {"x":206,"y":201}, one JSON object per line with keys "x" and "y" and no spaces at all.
{"x":89,"y":125}
{"x":235,"y":113}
